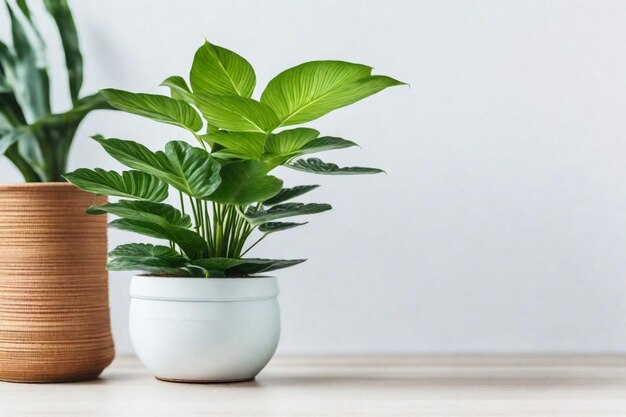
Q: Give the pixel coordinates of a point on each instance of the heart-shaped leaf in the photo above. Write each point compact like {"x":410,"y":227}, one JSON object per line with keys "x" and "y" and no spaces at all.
{"x":159,"y":108}
{"x":244,"y":267}
{"x":236,"y":113}
{"x":245,"y":145}
{"x":146,"y":257}
{"x":145,"y":211}
{"x":281,"y":211}
{"x":194,"y":246}
{"x":179,"y":174}
{"x":245,"y":182}
{"x":128,"y":184}
{"x":289,"y":141}
{"x":217,"y":70}
{"x":317,"y":166}
{"x":325,"y":143}
{"x":199,"y":172}
{"x":289,"y":193}
{"x":273,"y":227}
{"x":313,"y":89}
{"x":178,"y":88}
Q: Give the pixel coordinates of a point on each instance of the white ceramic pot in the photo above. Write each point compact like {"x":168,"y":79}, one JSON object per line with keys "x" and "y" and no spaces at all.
{"x":204,"y":329}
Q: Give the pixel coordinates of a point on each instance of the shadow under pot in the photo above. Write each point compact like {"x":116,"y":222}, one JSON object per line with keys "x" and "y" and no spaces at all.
{"x":204,"y":329}
{"x":54,"y":305}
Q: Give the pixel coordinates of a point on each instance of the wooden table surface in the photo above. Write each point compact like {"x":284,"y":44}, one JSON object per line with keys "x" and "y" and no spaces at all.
{"x":348,"y":386}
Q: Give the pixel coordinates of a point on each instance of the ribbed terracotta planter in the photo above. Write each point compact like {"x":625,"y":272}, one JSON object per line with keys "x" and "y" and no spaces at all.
{"x":54,"y":306}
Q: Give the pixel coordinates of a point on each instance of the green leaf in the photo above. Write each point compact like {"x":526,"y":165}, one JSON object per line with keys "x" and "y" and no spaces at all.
{"x":289,"y":193}
{"x":217,"y":70}
{"x":178,"y":88}
{"x":244,"y":267}
{"x":325,"y":143}
{"x":177,"y":168}
{"x":145,"y":211}
{"x":237,"y":113}
{"x":135,"y":155}
{"x":273,"y":227}
{"x":245,"y":145}
{"x":313,"y":89}
{"x":284,"y":210}
{"x":128,"y":184}
{"x":194,"y":246}
{"x":199,"y":172}
{"x":245,"y":182}
{"x":29,"y":66}
{"x":62,"y":15}
{"x":289,"y":141}
{"x":146,"y":257}
{"x":160,"y":108}
{"x":316,"y":166}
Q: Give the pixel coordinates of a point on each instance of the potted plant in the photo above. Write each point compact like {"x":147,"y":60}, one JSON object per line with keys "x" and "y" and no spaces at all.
{"x":203,"y":311}
{"x":54,"y":314}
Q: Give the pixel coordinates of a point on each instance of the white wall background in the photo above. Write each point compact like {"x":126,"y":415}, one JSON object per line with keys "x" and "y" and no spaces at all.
{"x":501,"y":225}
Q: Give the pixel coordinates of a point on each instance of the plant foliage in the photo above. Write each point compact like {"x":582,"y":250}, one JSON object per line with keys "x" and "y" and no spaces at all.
{"x":225,"y":190}
{"x":36,"y":140}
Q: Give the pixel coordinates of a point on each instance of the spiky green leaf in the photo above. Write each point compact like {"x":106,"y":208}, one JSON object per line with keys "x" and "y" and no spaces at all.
{"x":62,"y":15}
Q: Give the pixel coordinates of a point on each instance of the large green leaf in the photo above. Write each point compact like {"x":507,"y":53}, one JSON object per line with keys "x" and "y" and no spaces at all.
{"x":146,"y":257}
{"x":325,"y":143}
{"x":289,"y":141}
{"x":29,"y":66}
{"x":289,"y":193}
{"x":273,"y":227}
{"x":145,"y":211}
{"x":128,"y":184}
{"x":284,"y":210}
{"x":199,"y":172}
{"x":317,"y":166}
{"x":135,"y":155}
{"x":160,"y":108}
{"x":313,"y":89}
{"x":245,"y":182}
{"x":178,"y":88}
{"x":244,"y":267}
{"x":217,"y":70}
{"x":236,"y":113}
{"x":245,"y":145}
{"x":194,"y":246}
{"x":62,"y":15}
{"x":182,"y":176}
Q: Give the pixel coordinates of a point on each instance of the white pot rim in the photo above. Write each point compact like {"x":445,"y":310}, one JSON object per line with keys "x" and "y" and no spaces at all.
{"x":203,"y":289}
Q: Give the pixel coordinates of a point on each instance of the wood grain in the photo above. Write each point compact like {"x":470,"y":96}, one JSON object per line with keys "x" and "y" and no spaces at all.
{"x":54,"y":308}
{"x":459,"y":386}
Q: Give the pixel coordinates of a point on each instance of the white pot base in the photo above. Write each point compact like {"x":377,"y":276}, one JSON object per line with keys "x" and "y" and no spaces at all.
{"x":204,"y":381}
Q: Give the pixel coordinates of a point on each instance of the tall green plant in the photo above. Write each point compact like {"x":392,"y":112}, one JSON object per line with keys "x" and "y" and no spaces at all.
{"x":224,"y":188}
{"x":33,"y":138}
